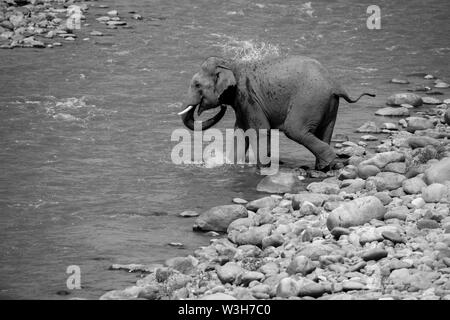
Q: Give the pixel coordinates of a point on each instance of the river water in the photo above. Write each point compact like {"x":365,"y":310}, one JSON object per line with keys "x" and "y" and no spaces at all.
{"x":86,"y":176}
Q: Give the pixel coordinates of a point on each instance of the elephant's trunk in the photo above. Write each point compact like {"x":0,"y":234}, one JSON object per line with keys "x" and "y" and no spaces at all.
{"x":188,"y":117}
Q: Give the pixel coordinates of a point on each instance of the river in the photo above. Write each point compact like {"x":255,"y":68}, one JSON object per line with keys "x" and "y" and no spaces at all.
{"x":86,"y":176}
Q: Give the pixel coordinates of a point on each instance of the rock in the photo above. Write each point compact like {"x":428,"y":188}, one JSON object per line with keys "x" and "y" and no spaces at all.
{"x":307,"y":208}
{"x":427,"y":224}
{"x":112,"y":13}
{"x":366,"y":171}
{"x":418,"y":123}
{"x":219,"y":218}
{"x":387,"y":181}
{"x":413,"y":185}
{"x":442,"y":85}
{"x":418,"y":203}
{"x":435,"y":192}
{"x":185,"y":265}
{"x":218,"y":296}
{"x":287,"y":287}
{"x":116,"y":23}
{"x":389,"y":126}
{"x":337,"y":232}
{"x":393,"y":112}
{"x":316,"y":199}
{"x":382,"y":159}
{"x":374,"y":254}
{"x":274,"y":240}
{"x":188,"y":214}
{"x":356,"y":212}
{"x":280,"y":182}
{"x":399,"y":81}
{"x":254,"y":235}
{"x":400,"y":98}
{"x":431,"y":100}
{"x":369,"y":137}
{"x":96,"y":33}
{"x":266,"y":202}
{"x":384,"y":197}
{"x":353,"y":186}
{"x":370,"y":234}
{"x":349,"y":151}
{"x":323,"y":187}
{"x":300,"y":264}
{"x":393,"y":236}
{"x":350,"y":285}
{"x":270,"y":268}
{"x":250,"y":276}
{"x":438,"y":172}
{"x":129,"y":293}
{"x":396,"y":167}
{"x":368,"y":127}
{"x":421,"y":141}
{"x":309,"y":288}
{"x":240,"y":223}
{"x":229,"y":272}
{"x":239,"y":201}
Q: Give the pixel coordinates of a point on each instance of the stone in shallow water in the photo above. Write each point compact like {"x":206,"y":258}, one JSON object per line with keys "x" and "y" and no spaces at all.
{"x":240,"y":201}
{"x":431,"y":100}
{"x":393,"y":112}
{"x":369,"y":137}
{"x":189,"y":213}
{"x":281,"y":182}
{"x":418,"y":123}
{"x":368,"y":127}
{"x":323,"y":187}
{"x":399,"y":81}
{"x":219,"y":218}
{"x":400,"y":98}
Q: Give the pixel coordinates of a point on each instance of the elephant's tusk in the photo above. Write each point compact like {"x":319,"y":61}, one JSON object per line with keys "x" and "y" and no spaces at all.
{"x":185,"y":110}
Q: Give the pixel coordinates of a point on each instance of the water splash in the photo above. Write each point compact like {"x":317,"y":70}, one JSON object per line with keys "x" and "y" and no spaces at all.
{"x":247,"y":50}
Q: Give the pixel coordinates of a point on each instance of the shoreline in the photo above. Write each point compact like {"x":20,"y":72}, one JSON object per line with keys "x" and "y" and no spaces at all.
{"x":378,"y":228}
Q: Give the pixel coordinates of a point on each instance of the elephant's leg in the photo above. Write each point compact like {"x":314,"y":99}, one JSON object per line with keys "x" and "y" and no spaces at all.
{"x":322,"y":151}
{"x":325,"y":131}
{"x":261,"y":146}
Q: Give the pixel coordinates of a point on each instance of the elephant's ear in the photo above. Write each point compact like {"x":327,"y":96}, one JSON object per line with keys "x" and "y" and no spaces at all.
{"x":225,"y":79}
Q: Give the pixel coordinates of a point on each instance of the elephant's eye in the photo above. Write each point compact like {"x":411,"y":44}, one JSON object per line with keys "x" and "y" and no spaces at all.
{"x":197,"y":85}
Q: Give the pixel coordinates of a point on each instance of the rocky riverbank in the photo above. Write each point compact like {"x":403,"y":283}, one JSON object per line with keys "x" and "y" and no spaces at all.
{"x":377,"y":228}
{"x":51,"y":23}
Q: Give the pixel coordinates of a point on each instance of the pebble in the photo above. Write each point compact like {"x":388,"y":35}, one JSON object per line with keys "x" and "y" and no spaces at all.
{"x":427,"y":224}
{"x":399,"y":81}
{"x":393,"y":112}
{"x":239,"y":201}
{"x":431,"y":100}
{"x":188,"y":214}
{"x":401,"y":98}
{"x":393,"y":236}
{"x":374,"y":254}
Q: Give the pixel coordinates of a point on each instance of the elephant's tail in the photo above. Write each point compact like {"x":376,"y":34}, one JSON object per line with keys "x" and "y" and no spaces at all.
{"x":350,"y":100}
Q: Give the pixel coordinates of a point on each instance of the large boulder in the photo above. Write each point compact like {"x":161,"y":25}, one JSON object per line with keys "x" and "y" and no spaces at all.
{"x":404,"y":98}
{"x":280,"y":182}
{"x":421,"y":141}
{"x":219,"y":218}
{"x":356,"y":212}
{"x":387,"y":181}
{"x":438,"y":172}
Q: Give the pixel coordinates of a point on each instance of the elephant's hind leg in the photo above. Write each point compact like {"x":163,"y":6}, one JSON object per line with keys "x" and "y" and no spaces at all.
{"x":322,"y":151}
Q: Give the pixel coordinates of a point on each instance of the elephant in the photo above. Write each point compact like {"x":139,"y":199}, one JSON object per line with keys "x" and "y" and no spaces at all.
{"x":294,"y":94}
